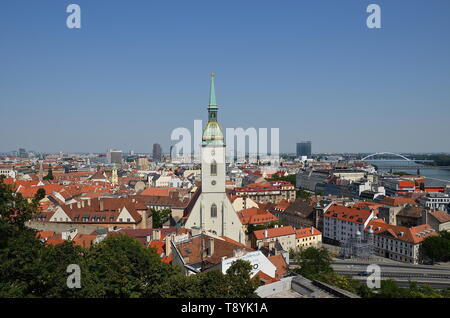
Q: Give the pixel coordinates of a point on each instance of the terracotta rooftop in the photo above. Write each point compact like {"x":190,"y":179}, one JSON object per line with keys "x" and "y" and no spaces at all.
{"x":306,"y":232}
{"x":274,"y":232}
{"x":411,"y":235}
{"x":441,"y":216}
{"x":354,"y":215}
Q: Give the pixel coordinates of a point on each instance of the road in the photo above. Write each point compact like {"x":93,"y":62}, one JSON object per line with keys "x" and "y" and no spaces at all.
{"x":437,"y":276}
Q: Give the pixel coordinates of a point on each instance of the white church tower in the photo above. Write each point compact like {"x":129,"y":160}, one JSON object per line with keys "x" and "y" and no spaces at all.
{"x":213,"y":211}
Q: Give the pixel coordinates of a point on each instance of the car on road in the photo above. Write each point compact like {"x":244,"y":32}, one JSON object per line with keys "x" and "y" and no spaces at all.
{"x":363,"y":274}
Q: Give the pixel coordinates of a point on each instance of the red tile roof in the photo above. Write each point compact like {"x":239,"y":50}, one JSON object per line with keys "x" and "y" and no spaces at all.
{"x":274,"y":232}
{"x":441,"y":216}
{"x":343,"y":213}
{"x":397,"y":201}
{"x":158,"y":192}
{"x":306,"y":232}
{"x":256,"y":216}
{"x":280,"y":264}
{"x":411,"y":235}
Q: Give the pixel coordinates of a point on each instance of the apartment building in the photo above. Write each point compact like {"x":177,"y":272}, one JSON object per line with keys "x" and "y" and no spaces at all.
{"x":342,"y":222}
{"x":398,"y":243}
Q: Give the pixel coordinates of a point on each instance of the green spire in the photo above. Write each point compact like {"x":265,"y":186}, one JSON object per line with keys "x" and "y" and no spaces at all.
{"x":212,"y":134}
{"x":212,"y":93}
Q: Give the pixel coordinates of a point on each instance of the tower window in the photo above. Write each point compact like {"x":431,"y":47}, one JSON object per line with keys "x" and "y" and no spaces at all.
{"x":213,"y":211}
{"x":214,"y":168}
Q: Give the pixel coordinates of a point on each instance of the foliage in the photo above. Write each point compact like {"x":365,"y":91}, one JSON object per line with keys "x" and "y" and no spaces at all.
{"x":438,"y":159}
{"x":239,"y":280}
{"x":119,"y":266}
{"x":290,"y":178}
{"x":315,"y":265}
{"x":436,"y":248}
{"x":313,"y":262}
{"x":401,"y":173}
{"x":304,"y":194}
{"x":160,"y":217}
{"x":236,"y":283}
{"x":49,"y":175}
{"x":40,"y":194}
{"x":252,"y":227}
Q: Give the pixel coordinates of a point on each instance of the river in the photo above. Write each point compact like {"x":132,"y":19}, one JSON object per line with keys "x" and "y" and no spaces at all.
{"x":443,"y":175}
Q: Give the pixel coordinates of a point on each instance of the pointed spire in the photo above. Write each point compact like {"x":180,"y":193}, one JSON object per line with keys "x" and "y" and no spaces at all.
{"x":212,"y":93}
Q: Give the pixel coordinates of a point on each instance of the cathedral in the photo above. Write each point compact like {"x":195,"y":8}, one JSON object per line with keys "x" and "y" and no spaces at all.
{"x":213,"y":211}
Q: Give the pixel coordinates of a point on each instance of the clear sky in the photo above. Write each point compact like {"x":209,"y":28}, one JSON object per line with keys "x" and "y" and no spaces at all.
{"x":137,"y":69}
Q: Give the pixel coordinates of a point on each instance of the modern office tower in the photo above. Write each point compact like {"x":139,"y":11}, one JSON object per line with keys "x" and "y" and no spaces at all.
{"x":114,"y":156}
{"x":172,"y":155}
{"x":23,"y":153}
{"x":304,"y":149}
{"x":157,"y":152}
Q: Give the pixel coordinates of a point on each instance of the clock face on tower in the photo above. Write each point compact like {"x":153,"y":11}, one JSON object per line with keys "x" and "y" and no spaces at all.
{"x":213,"y":182}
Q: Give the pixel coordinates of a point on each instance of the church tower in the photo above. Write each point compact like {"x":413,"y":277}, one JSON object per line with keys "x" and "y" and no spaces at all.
{"x":213,"y":211}
{"x":213,"y":149}
{"x":114,"y":176}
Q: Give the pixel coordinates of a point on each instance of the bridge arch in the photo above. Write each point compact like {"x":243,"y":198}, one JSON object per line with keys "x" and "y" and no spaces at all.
{"x":386,"y":153}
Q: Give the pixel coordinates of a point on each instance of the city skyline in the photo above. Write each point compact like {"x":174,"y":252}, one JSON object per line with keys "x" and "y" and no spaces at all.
{"x":127,"y":78}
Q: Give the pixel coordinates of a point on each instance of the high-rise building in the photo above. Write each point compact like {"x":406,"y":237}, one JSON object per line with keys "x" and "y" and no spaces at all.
{"x":304,"y":149}
{"x":23,"y":153}
{"x":142,"y":163}
{"x":213,"y":211}
{"x":114,"y":156}
{"x":157,"y":153}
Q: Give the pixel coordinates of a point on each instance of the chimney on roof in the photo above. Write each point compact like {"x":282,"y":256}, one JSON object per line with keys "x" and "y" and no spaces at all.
{"x":210,"y":246}
{"x":156,"y":234}
{"x":312,"y":230}
{"x":168,"y":239}
{"x":102,"y":205}
{"x":265,"y":233}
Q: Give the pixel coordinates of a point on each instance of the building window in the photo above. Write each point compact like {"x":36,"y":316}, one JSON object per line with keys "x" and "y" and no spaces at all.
{"x":214,"y":168}
{"x":213,"y":210}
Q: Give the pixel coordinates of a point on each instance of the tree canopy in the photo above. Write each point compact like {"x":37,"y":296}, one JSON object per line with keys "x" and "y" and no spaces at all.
{"x":118,"y":266}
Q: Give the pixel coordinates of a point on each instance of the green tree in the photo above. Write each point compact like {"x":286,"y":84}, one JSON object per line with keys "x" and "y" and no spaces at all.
{"x":120,"y":266}
{"x":436,"y":248}
{"x":49,"y":175}
{"x":252,"y":227}
{"x":19,"y":247}
{"x":160,"y":217}
{"x":313,"y":262}
{"x":40,"y":194}
{"x":51,"y":280}
{"x":241,"y":286}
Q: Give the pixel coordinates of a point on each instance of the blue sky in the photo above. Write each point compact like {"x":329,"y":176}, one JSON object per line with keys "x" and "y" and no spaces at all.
{"x":138,"y":69}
